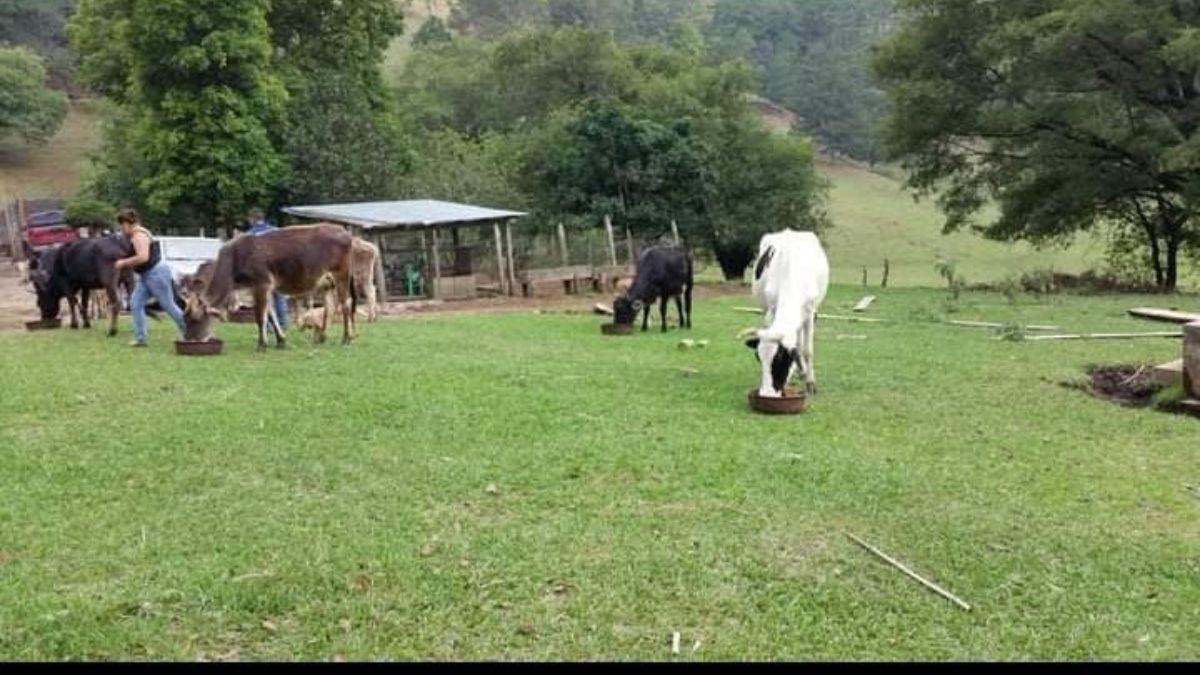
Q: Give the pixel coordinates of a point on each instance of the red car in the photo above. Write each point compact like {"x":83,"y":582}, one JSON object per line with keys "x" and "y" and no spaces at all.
{"x":47,"y":229}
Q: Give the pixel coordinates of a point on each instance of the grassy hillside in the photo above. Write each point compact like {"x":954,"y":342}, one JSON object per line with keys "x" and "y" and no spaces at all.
{"x":874,"y":218}
{"x":52,"y":170}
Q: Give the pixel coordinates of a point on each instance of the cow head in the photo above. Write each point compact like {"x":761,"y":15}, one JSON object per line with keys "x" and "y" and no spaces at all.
{"x":778,"y":356}
{"x":625,"y":310}
{"x":49,"y":297}
{"x":198,"y":314}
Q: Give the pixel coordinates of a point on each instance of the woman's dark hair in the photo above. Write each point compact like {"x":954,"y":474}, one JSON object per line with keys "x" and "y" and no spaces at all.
{"x":128,"y":216}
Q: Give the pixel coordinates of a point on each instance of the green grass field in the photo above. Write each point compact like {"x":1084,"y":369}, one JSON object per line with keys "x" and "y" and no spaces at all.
{"x":334,"y":502}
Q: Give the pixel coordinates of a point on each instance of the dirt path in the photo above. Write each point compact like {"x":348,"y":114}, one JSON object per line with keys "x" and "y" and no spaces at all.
{"x":17,"y":304}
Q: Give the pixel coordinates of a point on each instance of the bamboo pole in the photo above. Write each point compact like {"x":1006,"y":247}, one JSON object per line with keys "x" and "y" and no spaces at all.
{"x":562,"y":244}
{"x":1104,"y":336}
{"x":900,"y":566}
{"x":612,"y":244}
{"x":989,"y":324}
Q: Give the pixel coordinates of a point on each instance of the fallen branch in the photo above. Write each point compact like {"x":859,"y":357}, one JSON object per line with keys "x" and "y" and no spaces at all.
{"x":864,"y":303}
{"x":988,"y":324}
{"x":748,"y":310}
{"x":925,"y":582}
{"x":1104,"y":336}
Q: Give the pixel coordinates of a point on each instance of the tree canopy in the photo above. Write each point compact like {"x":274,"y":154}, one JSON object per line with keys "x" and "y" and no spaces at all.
{"x":224,"y":106}
{"x":1068,"y":114}
{"x":595,"y":127}
{"x":28,"y":109}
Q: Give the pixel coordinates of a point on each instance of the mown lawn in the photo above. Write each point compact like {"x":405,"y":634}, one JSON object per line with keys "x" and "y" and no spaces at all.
{"x":334,"y":502}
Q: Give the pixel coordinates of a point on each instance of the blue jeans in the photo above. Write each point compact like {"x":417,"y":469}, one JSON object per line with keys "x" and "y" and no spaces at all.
{"x":281,"y":309}
{"x":156,"y":282}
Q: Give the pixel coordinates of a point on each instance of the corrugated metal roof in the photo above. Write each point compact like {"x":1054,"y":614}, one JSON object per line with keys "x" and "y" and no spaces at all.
{"x":415,"y":214}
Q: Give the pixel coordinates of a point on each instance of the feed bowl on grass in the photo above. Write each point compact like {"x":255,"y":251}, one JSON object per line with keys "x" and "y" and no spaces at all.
{"x":792,"y":402}
{"x":43,"y":324}
{"x":206,"y":348}
{"x":617,"y":329}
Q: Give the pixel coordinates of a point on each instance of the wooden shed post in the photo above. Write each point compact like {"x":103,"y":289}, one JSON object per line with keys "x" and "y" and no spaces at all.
{"x":562,"y":244}
{"x":381,"y":282}
{"x":629,"y":246}
{"x":1191,"y":359}
{"x":437,"y":267}
{"x":501,"y":274}
{"x":612,"y":244}
{"x":512,"y":274}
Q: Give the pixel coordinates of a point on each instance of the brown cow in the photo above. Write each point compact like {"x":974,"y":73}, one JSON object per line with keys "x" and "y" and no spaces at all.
{"x":289,"y":261}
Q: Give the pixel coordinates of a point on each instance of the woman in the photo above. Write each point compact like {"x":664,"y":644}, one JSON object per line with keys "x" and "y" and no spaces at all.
{"x":154,"y":276}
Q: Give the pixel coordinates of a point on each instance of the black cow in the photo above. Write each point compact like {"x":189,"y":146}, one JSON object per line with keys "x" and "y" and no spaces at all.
{"x":663,"y":272}
{"x":84,"y":265}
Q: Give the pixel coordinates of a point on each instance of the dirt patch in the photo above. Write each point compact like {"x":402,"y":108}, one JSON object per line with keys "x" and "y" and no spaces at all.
{"x":1128,"y":385}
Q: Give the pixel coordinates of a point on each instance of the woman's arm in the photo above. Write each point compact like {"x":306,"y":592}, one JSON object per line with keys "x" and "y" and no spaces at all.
{"x":141,"y":252}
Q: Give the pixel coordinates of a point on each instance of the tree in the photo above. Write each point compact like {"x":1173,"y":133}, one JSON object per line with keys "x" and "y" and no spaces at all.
{"x":197,"y":79}
{"x":1068,"y":114}
{"x":40,"y":25}
{"x":28,"y":109}
{"x":341,"y":140}
{"x":432,"y":31}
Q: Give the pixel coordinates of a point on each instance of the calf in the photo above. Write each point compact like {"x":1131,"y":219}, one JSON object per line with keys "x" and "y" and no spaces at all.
{"x":662,"y":272}
{"x":791,"y":278}
{"x":80,"y":267}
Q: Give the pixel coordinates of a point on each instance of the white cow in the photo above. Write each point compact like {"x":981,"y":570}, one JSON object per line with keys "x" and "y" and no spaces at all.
{"x":791,"y":277}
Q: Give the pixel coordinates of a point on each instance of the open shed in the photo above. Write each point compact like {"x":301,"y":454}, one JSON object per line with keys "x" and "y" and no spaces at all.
{"x":431,"y":220}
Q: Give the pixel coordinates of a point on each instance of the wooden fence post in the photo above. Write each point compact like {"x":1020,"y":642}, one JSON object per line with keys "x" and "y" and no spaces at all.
{"x":864,"y":276}
{"x":437,"y":267}
{"x":629,"y":246}
{"x":612,"y":244}
{"x":512,"y":272}
{"x":500,"y":273}
{"x":1191,"y":359}
{"x":887,"y":270}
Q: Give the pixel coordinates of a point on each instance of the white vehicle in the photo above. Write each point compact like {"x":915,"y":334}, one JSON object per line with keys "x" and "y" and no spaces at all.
{"x":185,"y":254}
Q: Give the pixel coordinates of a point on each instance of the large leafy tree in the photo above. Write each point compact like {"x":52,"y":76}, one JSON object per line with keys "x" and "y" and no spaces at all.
{"x":198,"y":79}
{"x":28,"y":109}
{"x":341,"y":140}
{"x":1068,"y":114}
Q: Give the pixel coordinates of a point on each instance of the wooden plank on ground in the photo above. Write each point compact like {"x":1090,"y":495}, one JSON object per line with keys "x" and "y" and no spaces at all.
{"x":864,"y":303}
{"x":1167,"y":315}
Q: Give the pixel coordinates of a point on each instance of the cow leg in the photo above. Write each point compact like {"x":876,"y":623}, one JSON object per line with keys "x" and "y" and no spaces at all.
{"x":114,"y":299}
{"x":679,"y":308}
{"x":349,"y":321}
{"x":662,"y":310}
{"x":280,"y":336}
{"x":807,"y":352}
{"x":319,"y":336}
{"x":85,"y":308}
{"x":372,"y":301}
{"x":73,"y":302}
{"x":262,"y":306}
{"x":646,"y":318}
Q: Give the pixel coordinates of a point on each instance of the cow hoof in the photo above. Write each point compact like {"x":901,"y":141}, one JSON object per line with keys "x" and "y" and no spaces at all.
{"x":74,"y":327}
{"x":811,"y":389}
